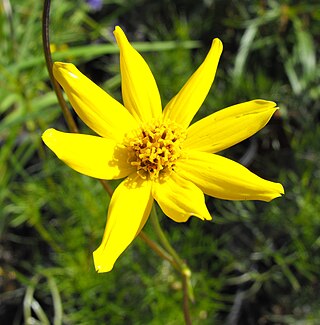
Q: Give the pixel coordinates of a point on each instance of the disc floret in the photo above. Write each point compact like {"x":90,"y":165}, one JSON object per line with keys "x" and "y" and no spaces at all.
{"x":155,"y":148}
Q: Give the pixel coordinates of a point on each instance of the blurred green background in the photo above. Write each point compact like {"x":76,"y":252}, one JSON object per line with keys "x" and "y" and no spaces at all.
{"x":255,"y":263}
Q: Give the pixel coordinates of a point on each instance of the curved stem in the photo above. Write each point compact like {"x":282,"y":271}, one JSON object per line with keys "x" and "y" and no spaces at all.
{"x":47,"y":53}
{"x":106,"y":186}
{"x":182,"y":266}
{"x":158,"y":249}
{"x":162,"y":237}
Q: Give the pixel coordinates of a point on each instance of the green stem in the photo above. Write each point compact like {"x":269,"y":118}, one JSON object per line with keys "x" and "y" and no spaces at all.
{"x":106,"y":186}
{"x":162,"y":237}
{"x":182,"y":266}
{"x":186,"y":296}
{"x":158,"y":249}
{"x":47,"y":53}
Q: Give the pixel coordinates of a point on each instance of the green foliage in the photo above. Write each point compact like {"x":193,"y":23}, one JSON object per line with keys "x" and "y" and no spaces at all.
{"x":256,"y":262}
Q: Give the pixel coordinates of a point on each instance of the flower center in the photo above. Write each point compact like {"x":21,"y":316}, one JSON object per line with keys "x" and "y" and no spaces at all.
{"x":154,"y":148}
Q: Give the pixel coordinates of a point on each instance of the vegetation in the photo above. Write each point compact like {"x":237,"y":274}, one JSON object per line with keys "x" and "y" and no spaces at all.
{"x":255,"y":263}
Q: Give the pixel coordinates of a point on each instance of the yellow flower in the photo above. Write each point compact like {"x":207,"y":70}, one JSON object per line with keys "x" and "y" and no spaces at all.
{"x":161,"y":157}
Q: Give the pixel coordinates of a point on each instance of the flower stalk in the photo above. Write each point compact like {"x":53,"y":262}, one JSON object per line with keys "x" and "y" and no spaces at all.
{"x":48,"y":57}
{"x":177,"y":263}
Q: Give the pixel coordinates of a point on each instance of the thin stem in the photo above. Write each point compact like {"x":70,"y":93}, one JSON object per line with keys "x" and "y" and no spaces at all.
{"x":186,"y":308}
{"x":182,"y":266}
{"x":106,"y":186}
{"x":163,"y":238}
{"x":158,"y":249}
{"x":47,"y":53}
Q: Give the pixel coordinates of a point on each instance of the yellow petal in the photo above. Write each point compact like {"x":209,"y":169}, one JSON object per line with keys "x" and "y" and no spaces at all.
{"x":187,"y":102}
{"x":225,"y":179}
{"x":89,"y":155}
{"x":139,"y":89}
{"x":128,"y":212}
{"x":229,"y":126}
{"x":95,"y":107}
{"x":179,"y":199}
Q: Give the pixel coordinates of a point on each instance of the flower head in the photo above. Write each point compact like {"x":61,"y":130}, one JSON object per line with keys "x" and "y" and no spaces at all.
{"x":158,"y":153}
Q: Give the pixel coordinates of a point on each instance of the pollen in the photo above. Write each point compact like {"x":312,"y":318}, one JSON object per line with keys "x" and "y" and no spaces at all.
{"x":155,"y":148}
